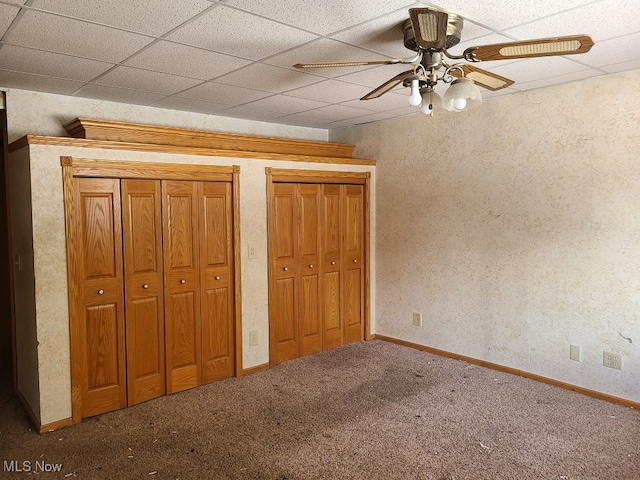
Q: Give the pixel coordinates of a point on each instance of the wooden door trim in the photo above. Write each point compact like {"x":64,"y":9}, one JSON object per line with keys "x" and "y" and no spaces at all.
{"x":81,"y":167}
{"x":84,"y":167}
{"x":317,"y":176}
{"x":237,"y":255}
{"x":277,"y":175}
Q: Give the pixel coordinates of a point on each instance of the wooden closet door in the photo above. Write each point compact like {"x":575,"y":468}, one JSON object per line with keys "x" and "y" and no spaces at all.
{"x":142,"y":225}
{"x":283,"y":306}
{"x":216,"y":262}
{"x":332,"y":266}
{"x":353,"y":268}
{"x":102,"y":338}
{"x":182,"y":284}
{"x":310,"y":267}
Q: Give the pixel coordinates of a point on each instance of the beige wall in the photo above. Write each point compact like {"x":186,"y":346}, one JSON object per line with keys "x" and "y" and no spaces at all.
{"x":35,"y":113}
{"x":515,"y":229}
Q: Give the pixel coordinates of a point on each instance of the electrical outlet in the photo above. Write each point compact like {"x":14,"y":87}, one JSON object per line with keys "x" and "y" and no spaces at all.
{"x":251,"y":251}
{"x":612,"y":360}
{"x":417,"y":319}
{"x":574,"y":352}
{"x":253,"y":338}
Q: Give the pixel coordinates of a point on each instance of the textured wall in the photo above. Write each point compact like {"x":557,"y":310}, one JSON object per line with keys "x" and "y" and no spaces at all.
{"x":515,"y":229}
{"x":35,"y":113}
{"x":23,"y":280}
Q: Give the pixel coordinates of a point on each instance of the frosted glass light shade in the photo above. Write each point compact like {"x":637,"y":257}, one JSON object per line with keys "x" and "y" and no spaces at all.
{"x":462,"y":94}
{"x":430,"y":101}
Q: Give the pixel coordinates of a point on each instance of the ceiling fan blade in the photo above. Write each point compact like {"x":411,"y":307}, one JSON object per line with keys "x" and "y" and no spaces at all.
{"x":485,"y":79}
{"x":388,"y":85}
{"x":543,"y":47}
{"x":356,"y":63}
{"x":429,"y":27}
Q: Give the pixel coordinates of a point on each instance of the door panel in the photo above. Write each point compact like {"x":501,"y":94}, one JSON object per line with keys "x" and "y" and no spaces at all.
{"x":102,"y":337}
{"x":332,"y":265}
{"x":283,"y":309}
{"x":142,"y":240}
{"x":218,"y":332}
{"x":181,"y":285}
{"x":353,"y":281}
{"x":310,"y":268}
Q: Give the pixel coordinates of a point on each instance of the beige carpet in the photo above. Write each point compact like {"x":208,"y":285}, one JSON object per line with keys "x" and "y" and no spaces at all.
{"x":371,"y":410}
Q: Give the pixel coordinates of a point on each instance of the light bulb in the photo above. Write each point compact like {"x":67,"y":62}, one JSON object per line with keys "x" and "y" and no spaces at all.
{"x":415,"y":98}
{"x":459,"y":103}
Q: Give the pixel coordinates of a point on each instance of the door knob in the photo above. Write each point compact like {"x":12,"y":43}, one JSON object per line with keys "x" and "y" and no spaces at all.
{"x":145,"y":286}
{"x":183,"y":281}
{"x":355,"y":260}
{"x":286,"y":269}
{"x":310,"y":266}
{"x":100,"y":292}
{"x":217,"y":278}
{"x":333,"y":263}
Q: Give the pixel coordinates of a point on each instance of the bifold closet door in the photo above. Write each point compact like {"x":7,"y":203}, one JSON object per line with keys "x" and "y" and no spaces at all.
{"x":216,"y":263}
{"x":353,"y":242}
{"x":142,"y":240}
{"x":309,"y":268}
{"x":332,"y":220}
{"x":101,"y":359}
{"x":283,"y":244}
{"x":181,"y":284}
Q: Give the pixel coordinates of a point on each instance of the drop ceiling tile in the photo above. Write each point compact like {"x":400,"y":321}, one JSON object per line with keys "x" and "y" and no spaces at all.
{"x":285,"y":104}
{"x":186,"y":61}
{"x":330,"y":91}
{"x":269,"y":78}
{"x":591,"y":19}
{"x":28,"y":60}
{"x":229,"y":94}
{"x":382,"y":35}
{"x":622,"y":67}
{"x":534,"y":69}
{"x":138,"y":79}
{"x":502,"y":14}
{"x":40,"y":83}
{"x":301,"y":121}
{"x":373,"y":77}
{"x":567,"y":77}
{"x":7,"y":14}
{"x":323,"y":50}
{"x":373,"y":117}
{"x":64,"y":35}
{"x":120,"y":95}
{"x":337,"y":112}
{"x":608,"y":52}
{"x":498,"y":93}
{"x":152,"y":17}
{"x":252,"y":114}
{"x":190,"y":105}
{"x":388,"y":101}
{"x":320,"y":17}
{"x":230,"y":31}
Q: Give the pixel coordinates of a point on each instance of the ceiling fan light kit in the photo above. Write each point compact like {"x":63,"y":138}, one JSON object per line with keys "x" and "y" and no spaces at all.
{"x":430,"y":33}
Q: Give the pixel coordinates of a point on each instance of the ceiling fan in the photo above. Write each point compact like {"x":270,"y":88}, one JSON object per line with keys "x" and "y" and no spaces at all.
{"x":431,"y":33}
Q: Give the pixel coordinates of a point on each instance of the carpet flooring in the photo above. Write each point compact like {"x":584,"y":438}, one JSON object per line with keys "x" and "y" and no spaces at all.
{"x":371,"y":410}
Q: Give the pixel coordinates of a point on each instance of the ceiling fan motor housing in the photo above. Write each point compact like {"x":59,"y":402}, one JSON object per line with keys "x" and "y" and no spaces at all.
{"x":454,"y":32}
